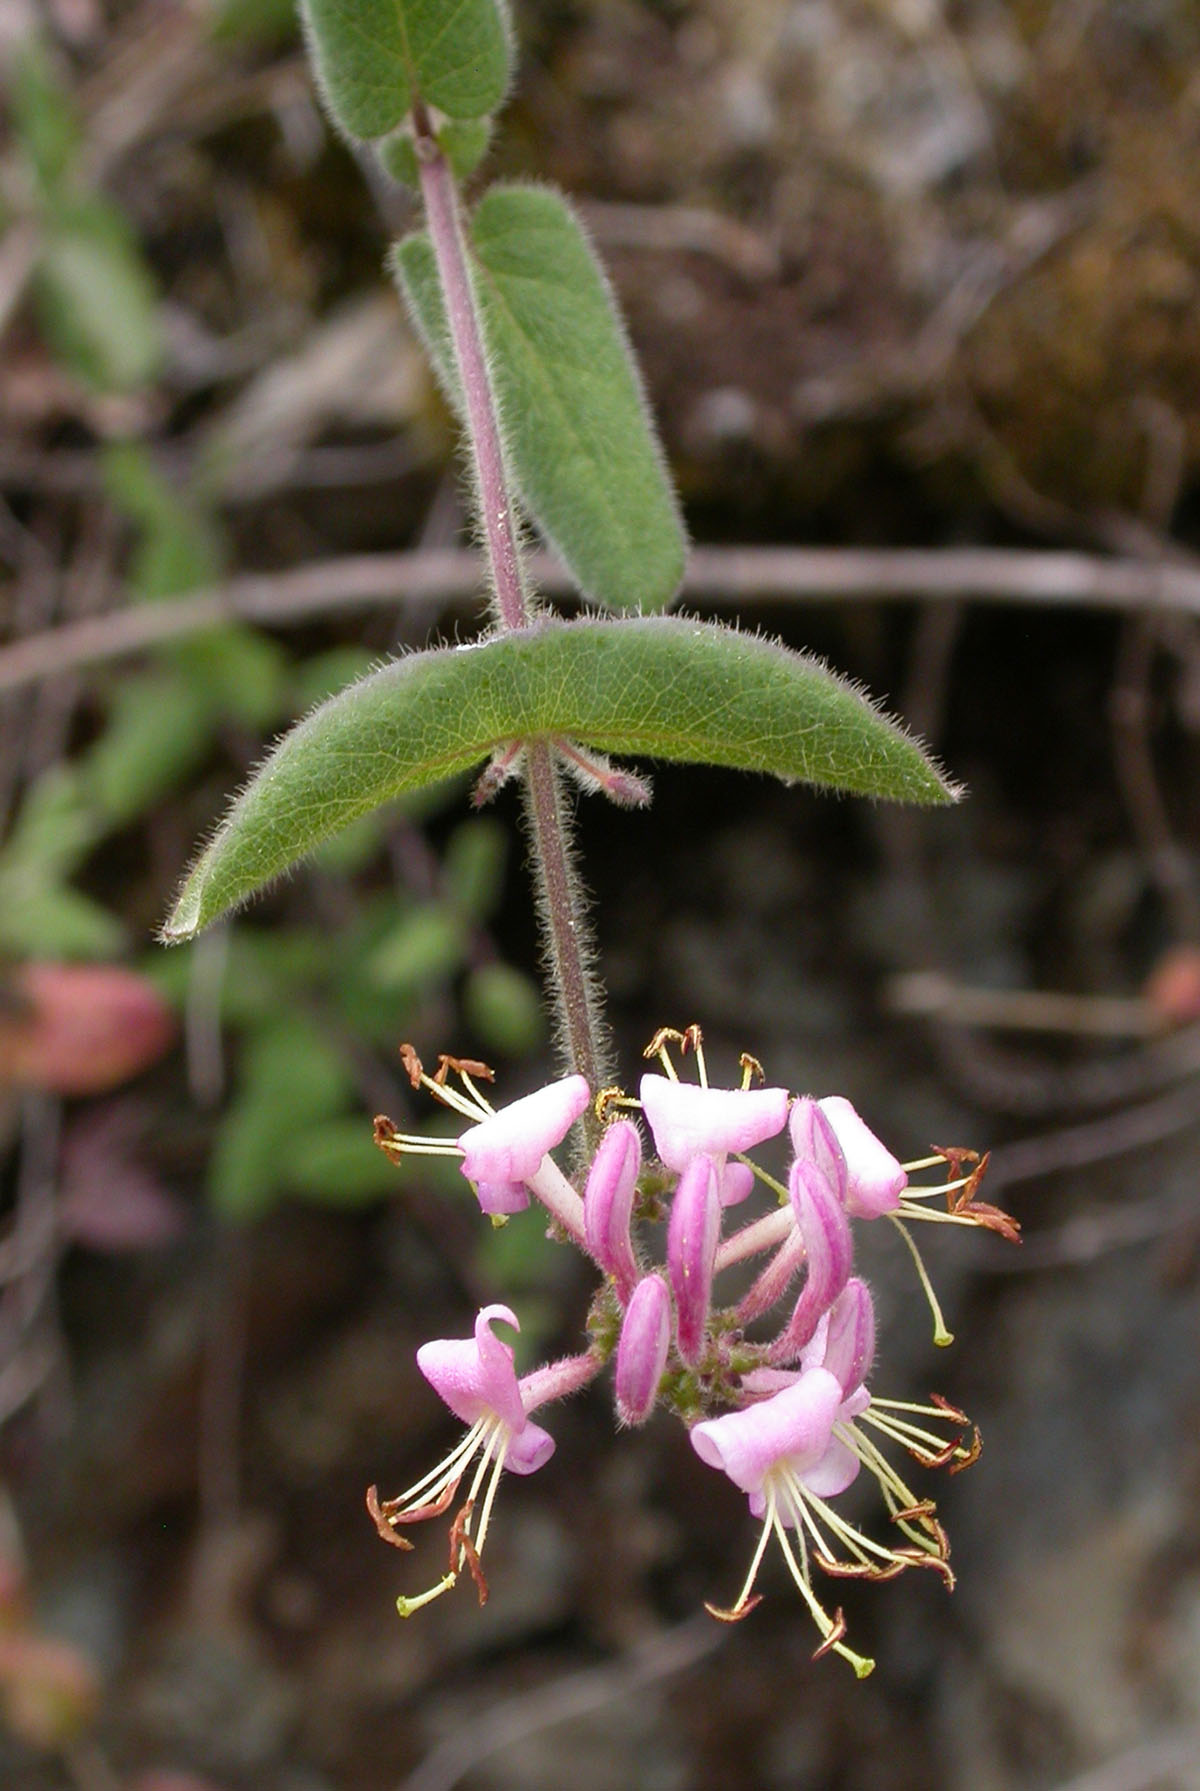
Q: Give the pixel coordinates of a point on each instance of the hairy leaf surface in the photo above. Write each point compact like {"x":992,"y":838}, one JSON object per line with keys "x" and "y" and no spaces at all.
{"x":662,"y":686}
{"x":373,"y":57}
{"x":579,"y":438}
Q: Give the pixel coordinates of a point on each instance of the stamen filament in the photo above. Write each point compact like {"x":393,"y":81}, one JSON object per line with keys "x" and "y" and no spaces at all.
{"x":449,"y":1468}
{"x":824,"y":1622}
{"x":942,"y":1336}
{"x":770,"y":1181}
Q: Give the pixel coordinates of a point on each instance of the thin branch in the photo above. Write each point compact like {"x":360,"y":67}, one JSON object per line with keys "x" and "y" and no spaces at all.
{"x":717,"y":577}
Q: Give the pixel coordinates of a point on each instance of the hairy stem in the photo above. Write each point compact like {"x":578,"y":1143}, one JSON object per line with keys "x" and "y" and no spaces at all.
{"x":496,"y":512}
{"x":560,"y":899}
{"x":562,"y":910}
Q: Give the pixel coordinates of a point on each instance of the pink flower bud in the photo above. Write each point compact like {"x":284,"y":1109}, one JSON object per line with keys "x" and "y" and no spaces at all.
{"x":875,"y":1180}
{"x":608,"y":1203}
{"x":642,"y":1350}
{"x":815,"y":1141}
{"x":688,"y":1120}
{"x":829,"y":1252}
{"x":850,"y":1340}
{"x":692,"y":1238}
{"x":504,"y":1150}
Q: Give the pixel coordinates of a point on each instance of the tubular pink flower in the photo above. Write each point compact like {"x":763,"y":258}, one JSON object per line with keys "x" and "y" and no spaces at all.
{"x":688,"y":1120}
{"x":815,"y":1141}
{"x":608,"y":1203}
{"x":504,"y":1150}
{"x":785,"y":1454}
{"x":829,"y":1249}
{"x":875,"y":1180}
{"x":692,"y":1237}
{"x":788,"y":1436}
{"x":642,"y":1350}
{"x":475,"y":1377}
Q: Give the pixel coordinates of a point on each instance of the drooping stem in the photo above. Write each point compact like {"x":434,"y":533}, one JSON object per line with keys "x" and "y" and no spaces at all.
{"x":560,"y":900}
{"x":496,"y":513}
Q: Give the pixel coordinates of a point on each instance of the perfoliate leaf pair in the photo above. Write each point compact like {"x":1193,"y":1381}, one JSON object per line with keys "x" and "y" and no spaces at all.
{"x":667,"y":687}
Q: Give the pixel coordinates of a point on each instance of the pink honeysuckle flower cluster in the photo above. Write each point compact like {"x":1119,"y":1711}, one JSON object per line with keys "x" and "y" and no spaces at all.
{"x":770,"y":1378}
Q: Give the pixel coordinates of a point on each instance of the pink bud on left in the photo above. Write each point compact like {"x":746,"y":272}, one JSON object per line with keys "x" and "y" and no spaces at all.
{"x":692,"y":1238}
{"x":642,"y":1350}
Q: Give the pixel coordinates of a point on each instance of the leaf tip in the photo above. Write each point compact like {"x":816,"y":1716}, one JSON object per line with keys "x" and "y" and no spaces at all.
{"x":185,"y":919}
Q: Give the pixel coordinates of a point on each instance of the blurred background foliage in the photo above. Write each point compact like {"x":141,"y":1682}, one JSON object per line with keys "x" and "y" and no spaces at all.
{"x":899,"y":272}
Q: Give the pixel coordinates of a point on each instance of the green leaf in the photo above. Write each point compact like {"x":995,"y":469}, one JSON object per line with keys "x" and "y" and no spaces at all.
{"x":339,"y":1164}
{"x":463,"y":141}
{"x":503,"y":1006}
{"x":578,"y":435}
{"x":473,"y":867}
{"x":51,"y":920}
{"x":291,"y":1079}
{"x":156,"y":733}
{"x":425,"y":946}
{"x":97,"y":300}
{"x":665,"y":686}
{"x":374,"y":57}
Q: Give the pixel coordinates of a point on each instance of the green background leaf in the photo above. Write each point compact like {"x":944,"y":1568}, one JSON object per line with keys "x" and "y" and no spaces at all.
{"x":371,"y":55}
{"x":577,"y":432}
{"x":668,"y":687}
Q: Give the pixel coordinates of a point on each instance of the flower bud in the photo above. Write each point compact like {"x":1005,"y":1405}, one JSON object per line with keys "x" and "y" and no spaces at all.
{"x":829,"y":1252}
{"x":850,"y":1341}
{"x":608,"y":1203}
{"x":692,"y":1238}
{"x":815,"y":1141}
{"x":642,"y":1350}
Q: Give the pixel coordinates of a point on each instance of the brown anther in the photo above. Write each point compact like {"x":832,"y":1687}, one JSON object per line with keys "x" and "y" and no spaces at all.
{"x":858,"y":1570}
{"x":395,"y":1512}
{"x":412,"y":1064}
{"x":751,"y":1069}
{"x":951,"y":1411}
{"x":463,"y":1066}
{"x":955,"y":1156}
{"x":692,"y":1040}
{"x":915,"y":1514}
{"x":666,"y":1035}
{"x":837,"y":1632}
{"x":461,"y":1545}
{"x":380,"y":1521}
{"x":991,"y":1218}
{"x":737,"y":1614}
{"x":607,"y":1098}
{"x":387,"y":1136}
{"x":915,"y":1557}
{"x":970,"y":1453}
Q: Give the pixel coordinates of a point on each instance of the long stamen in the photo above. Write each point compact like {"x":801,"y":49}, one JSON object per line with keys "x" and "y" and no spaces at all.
{"x":451,"y":1467}
{"x":942,"y":1336}
{"x":825,"y":1623}
{"x":406,"y":1606}
{"x":490,"y":1495}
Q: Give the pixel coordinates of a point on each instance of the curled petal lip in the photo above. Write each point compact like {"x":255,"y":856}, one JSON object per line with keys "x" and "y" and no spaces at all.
{"x":475,"y":1376}
{"x":874,"y":1178}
